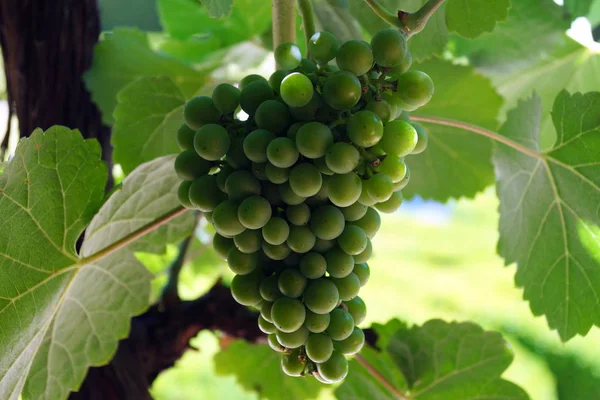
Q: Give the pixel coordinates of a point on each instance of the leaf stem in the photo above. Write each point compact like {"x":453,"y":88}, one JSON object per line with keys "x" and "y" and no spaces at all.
{"x":284,"y":22}
{"x":415,"y":22}
{"x":384,"y":14}
{"x":308,"y":20}
{"x":480,"y":131}
{"x":380,"y":378}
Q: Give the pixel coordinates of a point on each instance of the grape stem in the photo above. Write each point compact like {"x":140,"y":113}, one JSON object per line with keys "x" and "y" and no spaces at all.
{"x":380,"y":378}
{"x":410,"y":23}
{"x":284,"y":22}
{"x":384,"y":14}
{"x":308,"y":21}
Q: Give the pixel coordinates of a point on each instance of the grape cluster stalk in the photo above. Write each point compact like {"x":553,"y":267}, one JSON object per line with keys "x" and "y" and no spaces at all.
{"x":294,"y":191}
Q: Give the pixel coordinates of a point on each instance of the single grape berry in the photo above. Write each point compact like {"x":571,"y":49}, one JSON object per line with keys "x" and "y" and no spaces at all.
{"x":335,"y":369}
{"x":245,"y":289}
{"x":296,"y":89}
{"x":344,"y":189}
{"x":185,"y":137}
{"x":293,"y":340}
{"x":364,"y":255}
{"x":189,"y":165}
{"x":347,"y":286}
{"x":241,"y":263}
{"x":301,"y":239}
{"x":342,"y":158}
{"x":362,"y":272}
{"x":254,"y":212}
{"x":394,"y":167}
{"x":254,"y":94}
{"x":365,"y":128}
{"x":248,"y":79}
{"x":392,"y":204}
{"x":212,"y":142}
{"x":313,"y":139}
{"x":292,"y":364}
{"x":355,"y":56}
{"x":319,"y":347}
{"x":266,"y":326}
{"x":342,"y":90}
{"x":275,"y":174}
{"x":380,"y":107}
{"x":316,"y":323}
{"x":276,"y":252}
{"x":415,"y":88}
{"x":341,"y":324}
{"x":357,"y":308}
{"x":288,"y":55}
{"x":183,"y":194}
{"x":327,"y":222}
{"x":298,"y":214}
{"x":222,"y":245}
{"x":305,"y":179}
{"x":352,"y":344}
{"x":402,"y":184}
{"x":313,"y":265}
{"x":389,"y":47}
{"x":226,"y":98}
{"x":323,"y":47}
{"x":276,"y":231}
{"x":422,"y":139}
{"x":282,"y":152}
{"x":370,"y":223}
{"x":288,"y":314}
{"x":321,"y":296}
{"x":255,"y":144}
{"x":353,"y":240}
{"x":200,"y":110}
{"x":273,"y":116}
{"x":225,"y":219}
{"x":291,"y":283}
{"x":380,"y":187}
{"x":339,"y":263}
{"x":241,"y":184}
{"x":249,"y":241}
{"x":399,"y":138}
{"x":204,"y":193}
{"x":354,"y":212}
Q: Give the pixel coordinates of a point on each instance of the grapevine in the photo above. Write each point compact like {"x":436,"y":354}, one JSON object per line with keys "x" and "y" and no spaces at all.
{"x":294,"y":190}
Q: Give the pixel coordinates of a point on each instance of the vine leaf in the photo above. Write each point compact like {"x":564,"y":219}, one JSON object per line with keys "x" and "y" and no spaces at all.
{"x":148,"y":114}
{"x":217,"y":8}
{"x":550,"y":210}
{"x":471,"y":18}
{"x":578,"y":8}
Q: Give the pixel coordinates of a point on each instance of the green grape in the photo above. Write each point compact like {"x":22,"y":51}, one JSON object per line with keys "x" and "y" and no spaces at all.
{"x":298,"y":214}
{"x":392,"y":166}
{"x":293,"y":130}
{"x":200,"y":110}
{"x":288,"y":314}
{"x":342,"y":90}
{"x":185,"y":137}
{"x":273,"y":116}
{"x":288,"y":196}
{"x":254,"y":94}
{"x":354,"y":212}
{"x":307,"y":66}
{"x":365,"y":128}
{"x":254,"y":212}
{"x":321,"y":296}
{"x":316,"y":323}
{"x":415,"y":88}
{"x":277,"y":175}
{"x":313,"y":139}
{"x":269,"y":289}
{"x":276,"y":231}
{"x":392,"y":204}
{"x":389,"y":47}
{"x":370,"y":223}
{"x":236,"y":157}
{"x":394,"y":72}
{"x":222,"y":245}
{"x":402,"y":184}
{"x":353,"y":240}
{"x":255,"y":144}
{"x":183,"y":194}
{"x":365,"y":198}
{"x":321,"y":164}
{"x":364,"y":255}
{"x":241,"y":184}
{"x":291,"y":283}
{"x":276,"y":252}
{"x":189,"y":165}
{"x":341,"y":324}
{"x":377,"y":151}
{"x":344,"y":189}
{"x":305,"y":180}
{"x":319,"y":378}
{"x":301,"y":239}
{"x":241,"y":263}
{"x":380,"y":187}
{"x":319,"y":347}
{"x":204,"y":193}
{"x":313,"y":265}
{"x":327,"y":222}
{"x":339,"y":263}
{"x":352,"y":344}
{"x":226,"y":98}
{"x":225,"y":219}
{"x":355,"y":56}
{"x":288,"y":55}
{"x":265,"y":310}
{"x":308,"y":111}
{"x":331,"y":68}
{"x":296,"y":89}
{"x":382,"y":108}
{"x":342,"y":158}
{"x":212,"y":142}
{"x":399,"y":138}
{"x":335,"y":369}
{"x":266,"y":326}
{"x":282,"y":152}
{"x":258,"y":170}
{"x":363,"y":272}
{"x":292,"y":364}
{"x":249,"y":241}
{"x":422,"y":141}
{"x":357,"y":308}
{"x":347,"y":286}
{"x":322,"y":246}
{"x":245,"y":289}
{"x":293,"y":340}
{"x":323,"y":47}
{"x":276,"y":78}
{"x":222,"y":176}
{"x":321,"y":197}
{"x":275,"y":345}
{"x":249,"y":79}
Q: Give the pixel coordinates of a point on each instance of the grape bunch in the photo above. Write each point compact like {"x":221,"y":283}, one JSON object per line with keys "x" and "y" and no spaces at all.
{"x":295,"y":189}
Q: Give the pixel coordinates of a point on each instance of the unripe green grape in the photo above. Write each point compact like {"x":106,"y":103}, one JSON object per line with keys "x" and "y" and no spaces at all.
{"x":365,"y":198}
{"x":307,"y":112}
{"x":380,"y":107}
{"x":272,"y":115}
{"x":293,"y":130}
{"x":415,"y":88}
{"x":183,"y":194}
{"x":258,"y":170}
{"x":245,"y":289}
{"x":305,"y":179}
{"x":344,"y":189}
{"x":395,"y":103}
{"x":189,"y":165}
{"x":319,"y":378}
{"x":365,"y":128}
{"x":301,"y":239}
{"x":327,"y":222}
{"x":339,"y":263}
{"x":254,"y":212}
{"x":236,"y":157}
{"x":248,"y":79}
{"x":319,"y":347}
{"x":269,"y":289}
{"x":342,"y":158}
{"x":313,"y":265}
{"x":276,"y":231}
{"x":357,"y":308}
{"x":241,"y":263}
{"x":254,"y":94}
{"x":348,"y":286}
{"x":226,"y":98}
{"x":276,"y":78}
{"x":363,"y":272}
{"x":399,"y":138}
{"x":293,"y":340}
{"x":352,"y":344}
{"x":255,"y":144}
{"x":323,"y":47}
{"x":288,"y":314}
{"x":200,"y":110}
{"x":296,"y":90}
{"x":394,"y":72}
{"x":422,"y":141}
{"x":266,"y":326}
{"x":313,"y":139}
{"x":222,"y":245}
{"x":222,"y":176}
{"x":291,"y":283}
{"x":394,"y":167}
{"x":342,"y":90}
{"x":364,"y":255}
{"x":276,"y":252}
{"x":277,"y":175}
{"x":341,"y":324}
{"x":307,"y":66}
{"x":370,"y":223}
{"x":298,"y":214}
{"x":212,"y":142}
{"x":292,"y":364}
{"x":282,"y":152}
{"x":389,"y":47}
{"x":316,"y":323}
{"x":321,"y":164}
{"x":241,"y":184}
{"x":402,"y":184}
{"x":288,"y":196}
{"x":335,"y":369}
{"x":353,"y":240}
{"x":322,"y":246}
{"x":274,"y":343}
{"x":288,"y":55}
{"x":225,"y":219}
{"x":392,"y":204}
{"x":204,"y":193}
{"x":380,"y":187}
{"x":249,"y":241}
{"x":321,"y":197}
{"x":321,"y":296}
{"x":377,"y":151}
{"x":354,"y":212}
{"x":355,"y":56}
{"x":265,"y":310}
{"x":185,"y":137}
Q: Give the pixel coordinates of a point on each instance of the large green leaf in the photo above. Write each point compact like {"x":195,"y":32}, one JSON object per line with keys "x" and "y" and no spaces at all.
{"x":217,"y":8}
{"x":125,"y":56}
{"x":578,"y":8}
{"x":550,"y":210}
{"x":146,"y":119}
{"x":456,"y":163}
{"x":335,"y":17}
{"x":471,"y":18}
{"x":140,"y":14}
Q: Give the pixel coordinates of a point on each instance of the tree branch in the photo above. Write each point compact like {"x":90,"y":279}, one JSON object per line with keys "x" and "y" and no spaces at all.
{"x":308,"y":20}
{"x":284,"y":22}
